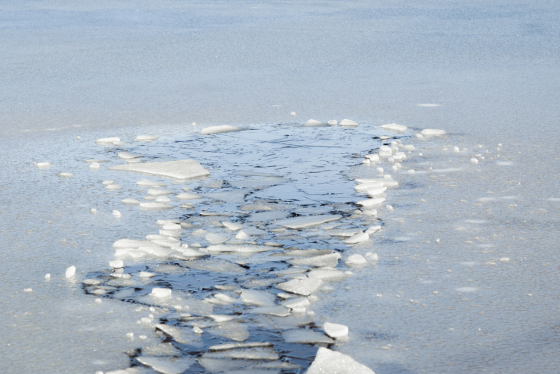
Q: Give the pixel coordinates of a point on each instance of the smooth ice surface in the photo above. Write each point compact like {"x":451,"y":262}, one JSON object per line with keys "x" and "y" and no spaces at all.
{"x":331,"y":362}
{"x":183,"y":169}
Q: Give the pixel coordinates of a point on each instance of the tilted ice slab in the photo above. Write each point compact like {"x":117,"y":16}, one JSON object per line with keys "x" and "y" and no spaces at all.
{"x":259,"y":298}
{"x":331,"y":362}
{"x":220,"y":129}
{"x":394,"y":127}
{"x":303,"y":287}
{"x":182,"y":169}
{"x":304,"y":222}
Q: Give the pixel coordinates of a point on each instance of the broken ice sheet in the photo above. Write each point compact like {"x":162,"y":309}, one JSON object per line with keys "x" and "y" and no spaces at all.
{"x":183,"y":169}
{"x":260,"y":353}
{"x":167,"y":365}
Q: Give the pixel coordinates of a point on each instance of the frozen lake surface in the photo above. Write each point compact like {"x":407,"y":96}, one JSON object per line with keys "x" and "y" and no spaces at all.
{"x":466,"y":276}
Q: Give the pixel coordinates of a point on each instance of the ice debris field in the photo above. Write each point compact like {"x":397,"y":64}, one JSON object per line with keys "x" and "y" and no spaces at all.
{"x":261,"y":221}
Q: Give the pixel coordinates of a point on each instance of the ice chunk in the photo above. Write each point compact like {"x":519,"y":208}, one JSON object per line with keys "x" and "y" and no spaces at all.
{"x":331,"y":362}
{"x":237,"y":196}
{"x":387,"y":182}
{"x":65,"y":175}
{"x":303,"y":287}
{"x":157,"y":192}
{"x":225,"y":347}
{"x":306,"y":337}
{"x":348,"y":122}
{"x":297,"y":302}
{"x":369,"y":202}
{"x":432,"y":132}
{"x":232,"y":330}
{"x":330,"y":260}
{"x":107,"y":141}
{"x":335,"y":330}
{"x":304,"y":222}
{"x":94,"y":165}
{"x":394,"y":127}
{"x":314,"y":123}
{"x":278,"y":311}
{"x":145,"y":138}
{"x":357,"y":238}
{"x":373,"y":229}
{"x":128,"y":155}
{"x":113,"y":187}
{"x":238,"y":248}
{"x":42,"y":165}
{"x":355,"y":261}
{"x":254,"y":353}
{"x":70,"y":271}
{"x":160,"y":293}
{"x":232,"y":226}
{"x":146,"y":274}
{"x":216,"y":238}
{"x":27,"y":290}
{"x":373,"y":157}
{"x":375,"y":191}
{"x":183,"y":169}
{"x":327,"y":275}
{"x":219,"y":129}
{"x":180,"y":335}
{"x":155,"y":206}
{"x":116,"y":264}
{"x":167,"y":365}
{"x":267,"y":216}
{"x":363,"y":187}
{"x":149,"y":183}
{"x":188,"y":196}
{"x":260,"y":298}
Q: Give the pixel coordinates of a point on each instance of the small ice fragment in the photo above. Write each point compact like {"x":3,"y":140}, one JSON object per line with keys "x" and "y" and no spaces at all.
{"x":98,"y":300}
{"x":27,"y":290}
{"x":220,"y":129}
{"x":455,"y":149}
{"x":357,"y":238}
{"x":409,"y":147}
{"x":466,"y":289}
{"x":259,"y":298}
{"x":373,"y":157}
{"x":373,"y":229}
{"x":161,"y":293}
{"x":145,"y":138}
{"x":363,"y":187}
{"x":155,"y":206}
{"x":293,"y":114}
{"x":47,"y":276}
{"x":130,"y":335}
{"x":215,"y":238}
{"x":504,"y":259}
{"x":111,"y":140}
{"x":130,"y":201}
{"x":114,"y":187}
{"x":330,"y":260}
{"x":232,"y":226}
{"x":375,"y":191}
{"x":419,"y":136}
{"x":335,"y":330}
{"x":433,"y":132}
{"x":94,"y":165}
{"x":188,"y":196}
{"x":146,"y":274}
{"x":65,"y":175}
{"x":128,"y":155}
{"x":70,"y":271}
{"x":371,"y":202}
{"x":348,"y":122}
{"x":474,"y":161}
{"x":313,"y":123}
{"x":366,"y":161}
{"x":197,"y":330}
{"x":193,"y":123}
{"x":394,"y":127}
{"x":372,"y":257}
{"x":149,"y":183}
{"x":389,"y":208}
{"x":163,"y":199}
{"x":355,"y":260}
{"x":116,"y":264}
{"x":157,"y":192}
{"x":332,"y":122}
{"x":106,"y":183}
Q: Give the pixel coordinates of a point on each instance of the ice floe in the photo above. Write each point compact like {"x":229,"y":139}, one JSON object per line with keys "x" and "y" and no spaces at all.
{"x":183,"y":169}
{"x":394,"y":127}
{"x":433,"y":132}
{"x":220,"y":129}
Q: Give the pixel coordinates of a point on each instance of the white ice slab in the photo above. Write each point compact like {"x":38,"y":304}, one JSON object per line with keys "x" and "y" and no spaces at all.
{"x":334,"y":330}
{"x":357,"y":238}
{"x":306,"y":336}
{"x":182,"y":169}
{"x":394,"y":127}
{"x":314,"y":123}
{"x":355,"y":260}
{"x":220,"y":129}
{"x":433,"y":132}
{"x":348,"y":122}
{"x":371,"y":202}
{"x":107,"y":141}
{"x":330,"y":260}
{"x":303,"y":287}
{"x":304,"y":222}
{"x":331,"y":362}
{"x":145,"y":138}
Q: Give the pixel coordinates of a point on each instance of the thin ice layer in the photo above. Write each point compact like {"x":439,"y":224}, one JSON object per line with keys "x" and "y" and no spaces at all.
{"x":182,"y":169}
